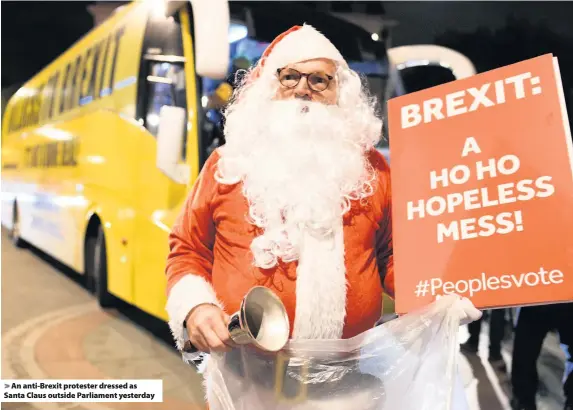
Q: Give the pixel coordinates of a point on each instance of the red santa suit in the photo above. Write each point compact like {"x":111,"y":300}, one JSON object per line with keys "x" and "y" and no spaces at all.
{"x":334,"y":288}
{"x":210,"y":259}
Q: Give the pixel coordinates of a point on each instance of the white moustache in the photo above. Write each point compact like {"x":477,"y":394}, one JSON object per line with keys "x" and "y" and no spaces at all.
{"x":298,"y":105}
{"x":302,"y":116}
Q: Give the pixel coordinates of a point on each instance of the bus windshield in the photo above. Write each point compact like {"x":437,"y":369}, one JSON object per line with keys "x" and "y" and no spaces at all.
{"x":254,"y":25}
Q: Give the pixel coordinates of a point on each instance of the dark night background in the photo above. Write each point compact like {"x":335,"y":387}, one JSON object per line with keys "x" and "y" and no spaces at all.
{"x":491,"y":34}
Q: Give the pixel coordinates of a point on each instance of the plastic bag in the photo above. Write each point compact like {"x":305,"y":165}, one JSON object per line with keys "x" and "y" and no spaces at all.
{"x":406,"y":364}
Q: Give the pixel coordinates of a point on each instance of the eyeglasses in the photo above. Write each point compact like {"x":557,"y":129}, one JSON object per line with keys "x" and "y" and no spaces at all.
{"x":289,"y":78}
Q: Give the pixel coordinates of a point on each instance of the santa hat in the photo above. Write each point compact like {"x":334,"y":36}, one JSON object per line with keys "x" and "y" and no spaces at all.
{"x":299,"y":43}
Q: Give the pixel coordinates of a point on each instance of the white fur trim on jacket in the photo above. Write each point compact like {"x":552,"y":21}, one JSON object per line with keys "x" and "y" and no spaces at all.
{"x":190,"y":291}
{"x":304,"y":44}
{"x":321,"y":287}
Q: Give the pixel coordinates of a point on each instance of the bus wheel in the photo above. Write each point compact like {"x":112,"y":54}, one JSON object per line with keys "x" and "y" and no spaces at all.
{"x":98,"y":272}
{"x":15,"y":231}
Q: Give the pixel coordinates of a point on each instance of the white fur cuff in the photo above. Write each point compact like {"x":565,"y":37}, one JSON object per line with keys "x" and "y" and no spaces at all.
{"x":190,"y":291}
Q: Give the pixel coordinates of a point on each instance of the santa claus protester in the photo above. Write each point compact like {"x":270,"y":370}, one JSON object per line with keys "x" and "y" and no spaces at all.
{"x":298,"y":200}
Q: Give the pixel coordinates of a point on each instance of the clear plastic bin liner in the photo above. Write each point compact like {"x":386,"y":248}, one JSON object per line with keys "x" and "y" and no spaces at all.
{"x":406,"y":364}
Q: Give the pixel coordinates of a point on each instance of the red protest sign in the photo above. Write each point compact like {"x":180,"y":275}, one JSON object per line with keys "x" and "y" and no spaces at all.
{"x":482,"y":185}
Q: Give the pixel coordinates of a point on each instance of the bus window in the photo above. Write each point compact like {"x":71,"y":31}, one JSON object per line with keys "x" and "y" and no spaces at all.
{"x":166,"y":86}
{"x":162,"y":76}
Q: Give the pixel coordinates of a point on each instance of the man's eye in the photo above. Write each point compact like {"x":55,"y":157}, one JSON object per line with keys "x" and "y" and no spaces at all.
{"x":317,"y":79}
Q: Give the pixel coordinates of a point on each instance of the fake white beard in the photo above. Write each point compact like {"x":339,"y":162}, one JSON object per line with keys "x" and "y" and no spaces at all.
{"x":301,"y":164}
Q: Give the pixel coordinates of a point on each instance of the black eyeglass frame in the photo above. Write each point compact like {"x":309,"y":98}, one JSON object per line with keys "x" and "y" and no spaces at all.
{"x":303,"y":75}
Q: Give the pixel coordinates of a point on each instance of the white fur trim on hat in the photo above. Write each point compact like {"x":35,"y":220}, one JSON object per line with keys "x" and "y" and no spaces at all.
{"x":303,"y":44}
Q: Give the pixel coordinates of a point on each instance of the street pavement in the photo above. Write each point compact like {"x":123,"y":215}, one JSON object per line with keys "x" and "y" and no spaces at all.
{"x":52,"y":328}
{"x":488,"y":389}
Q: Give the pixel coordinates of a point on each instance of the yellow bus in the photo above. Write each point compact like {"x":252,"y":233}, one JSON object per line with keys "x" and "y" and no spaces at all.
{"x":101,"y":147}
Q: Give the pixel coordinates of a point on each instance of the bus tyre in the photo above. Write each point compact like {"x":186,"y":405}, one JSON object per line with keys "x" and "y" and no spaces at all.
{"x":99,"y":271}
{"x":15,"y":231}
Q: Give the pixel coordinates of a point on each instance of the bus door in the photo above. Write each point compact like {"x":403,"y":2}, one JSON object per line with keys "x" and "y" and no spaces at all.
{"x":178,"y":44}
{"x":162,"y":88}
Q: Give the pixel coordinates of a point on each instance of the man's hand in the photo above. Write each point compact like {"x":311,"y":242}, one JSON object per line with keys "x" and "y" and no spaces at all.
{"x":470,"y":313}
{"x":207,"y":329}
{"x":464,"y":308}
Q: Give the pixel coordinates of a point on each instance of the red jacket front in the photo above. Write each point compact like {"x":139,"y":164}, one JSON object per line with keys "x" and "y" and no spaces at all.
{"x":210,"y":259}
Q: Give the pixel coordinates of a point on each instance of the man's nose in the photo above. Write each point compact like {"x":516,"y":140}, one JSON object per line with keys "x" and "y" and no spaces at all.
{"x":302,"y":90}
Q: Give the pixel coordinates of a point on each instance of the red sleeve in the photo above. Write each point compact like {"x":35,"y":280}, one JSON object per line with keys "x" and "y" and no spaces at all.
{"x":190,"y":258}
{"x":384,"y":247}
{"x":193,"y":234}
